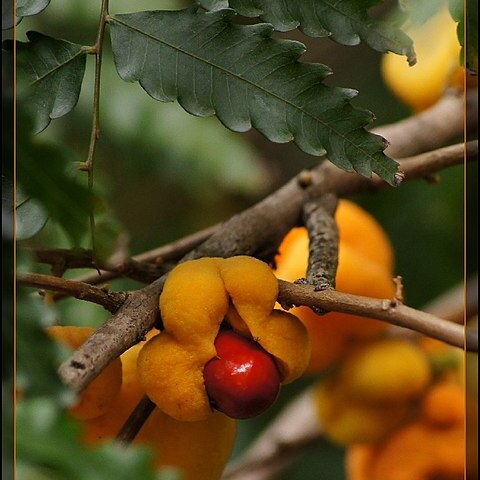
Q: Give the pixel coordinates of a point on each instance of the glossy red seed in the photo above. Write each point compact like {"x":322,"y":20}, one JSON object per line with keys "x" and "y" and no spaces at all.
{"x":243,"y":380}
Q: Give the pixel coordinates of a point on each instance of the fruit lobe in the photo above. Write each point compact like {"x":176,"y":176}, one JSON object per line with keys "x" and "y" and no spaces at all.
{"x":243,"y":380}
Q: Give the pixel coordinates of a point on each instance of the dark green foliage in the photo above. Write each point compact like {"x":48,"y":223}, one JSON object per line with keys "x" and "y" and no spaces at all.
{"x":345,"y":21}
{"x":246,"y":78}
{"x":42,"y":172}
{"x":53,"y":74}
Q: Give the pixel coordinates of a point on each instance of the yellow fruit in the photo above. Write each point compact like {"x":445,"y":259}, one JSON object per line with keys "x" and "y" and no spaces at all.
{"x":348,"y":422}
{"x":386,"y":370}
{"x":444,"y":405}
{"x":365,"y":268}
{"x":438,"y":56}
{"x":415,"y":452}
{"x":197,"y":297}
{"x":199,"y":450}
{"x":97,"y":398}
{"x":431,"y":446}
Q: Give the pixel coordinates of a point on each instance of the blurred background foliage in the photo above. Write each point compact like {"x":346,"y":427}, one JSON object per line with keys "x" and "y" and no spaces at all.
{"x":161,"y":174}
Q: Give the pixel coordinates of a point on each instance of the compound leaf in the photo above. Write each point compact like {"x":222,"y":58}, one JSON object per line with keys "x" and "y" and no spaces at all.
{"x":345,"y":21}
{"x":246,"y":78}
{"x":53,"y":72}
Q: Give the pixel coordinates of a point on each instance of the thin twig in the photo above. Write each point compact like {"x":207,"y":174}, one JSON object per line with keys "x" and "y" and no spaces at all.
{"x":95,"y":133}
{"x":111,"y":301}
{"x":135,"y":421}
{"x":157,"y":259}
{"x":79,"y":258}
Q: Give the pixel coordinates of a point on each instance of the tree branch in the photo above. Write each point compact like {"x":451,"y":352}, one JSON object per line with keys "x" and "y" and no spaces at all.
{"x":437,"y":126}
{"x":323,"y":241}
{"x":257,"y":231}
{"x":386,"y":310}
{"x":111,"y":301}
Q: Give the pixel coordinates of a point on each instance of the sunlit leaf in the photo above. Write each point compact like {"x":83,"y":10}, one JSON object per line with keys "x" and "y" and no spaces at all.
{"x":53,"y":72}
{"x":246,"y":78}
{"x":345,"y":21}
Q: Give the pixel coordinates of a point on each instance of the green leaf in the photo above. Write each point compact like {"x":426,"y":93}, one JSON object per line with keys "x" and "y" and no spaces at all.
{"x":43,"y":174}
{"x":24,"y":8}
{"x":246,"y":78}
{"x":48,"y":442}
{"x":30,"y":216}
{"x":345,"y":21}
{"x":468,"y":20}
{"x":53,"y":72}
{"x":38,"y":356}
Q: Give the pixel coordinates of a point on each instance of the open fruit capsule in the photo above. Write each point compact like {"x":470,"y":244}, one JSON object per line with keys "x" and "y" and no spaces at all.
{"x":199,"y":296}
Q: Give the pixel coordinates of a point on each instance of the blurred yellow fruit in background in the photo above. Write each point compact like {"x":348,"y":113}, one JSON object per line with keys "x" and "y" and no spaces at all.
{"x":438,"y":63}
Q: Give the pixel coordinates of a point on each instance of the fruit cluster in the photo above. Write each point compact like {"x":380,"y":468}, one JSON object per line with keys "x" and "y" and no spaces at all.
{"x":430,"y":443}
{"x":224,"y":349}
{"x":374,"y":390}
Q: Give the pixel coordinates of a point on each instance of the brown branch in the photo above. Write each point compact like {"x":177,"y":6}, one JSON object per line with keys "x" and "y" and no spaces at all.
{"x":126,"y":328}
{"x":437,"y":126}
{"x":111,"y":301}
{"x":387,"y":310}
{"x":322,"y":229}
{"x":135,"y":421}
{"x":257,"y":231}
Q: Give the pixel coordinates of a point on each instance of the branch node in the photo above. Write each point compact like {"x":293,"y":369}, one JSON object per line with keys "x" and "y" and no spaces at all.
{"x":304,"y":179}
